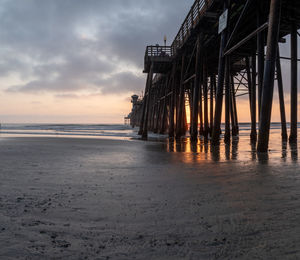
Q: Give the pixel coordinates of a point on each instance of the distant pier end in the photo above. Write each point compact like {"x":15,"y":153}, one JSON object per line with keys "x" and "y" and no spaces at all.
{"x":223,"y":50}
{"x":134,"y":117}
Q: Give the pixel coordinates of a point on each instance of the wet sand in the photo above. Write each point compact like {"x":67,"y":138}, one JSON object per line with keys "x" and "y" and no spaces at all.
{"x":64,"y":198}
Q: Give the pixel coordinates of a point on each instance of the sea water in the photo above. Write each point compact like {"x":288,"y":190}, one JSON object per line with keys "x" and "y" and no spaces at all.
{"x":114,"y":131}
{"x":94,"y":130}
{"x":240,"y":148}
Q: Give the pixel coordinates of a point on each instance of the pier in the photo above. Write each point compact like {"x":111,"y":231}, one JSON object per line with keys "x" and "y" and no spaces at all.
{"x":223,"y":50}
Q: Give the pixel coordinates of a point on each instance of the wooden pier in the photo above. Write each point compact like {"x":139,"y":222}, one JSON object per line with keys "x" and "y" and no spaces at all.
{"x":223,"y":49}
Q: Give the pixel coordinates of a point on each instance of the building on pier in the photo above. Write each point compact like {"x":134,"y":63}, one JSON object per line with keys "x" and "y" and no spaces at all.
{"x":134,"y":116}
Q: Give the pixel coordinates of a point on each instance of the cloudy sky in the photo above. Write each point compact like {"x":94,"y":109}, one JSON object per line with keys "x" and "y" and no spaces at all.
{"x":75,"y":60}
{"x":78,"y":61}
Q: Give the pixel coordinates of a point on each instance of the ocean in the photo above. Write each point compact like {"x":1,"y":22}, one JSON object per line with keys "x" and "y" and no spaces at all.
{"x":115,"y":131}
{"x":240,"y":149}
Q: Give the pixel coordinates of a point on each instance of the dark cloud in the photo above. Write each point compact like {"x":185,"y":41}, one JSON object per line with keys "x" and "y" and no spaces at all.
{"x":71,"y":45}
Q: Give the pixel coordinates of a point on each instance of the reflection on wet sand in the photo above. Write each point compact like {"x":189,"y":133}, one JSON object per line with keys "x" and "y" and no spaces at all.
{"x":235,"y":142}
{"x":253,"y":151}
{"x":263,"y":158}
{"x":239,"y":149}
{"x":284,"y":151}
{"x":294,"y":152}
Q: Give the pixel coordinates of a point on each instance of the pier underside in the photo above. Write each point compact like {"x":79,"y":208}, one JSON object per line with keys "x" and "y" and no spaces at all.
{"x":223,"y":49}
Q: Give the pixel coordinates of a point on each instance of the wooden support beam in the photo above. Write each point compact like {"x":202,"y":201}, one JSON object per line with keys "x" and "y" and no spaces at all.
{"x":249,"y":80}
{"x":205,"y":97}
{"x":219,"y":95}
{"x":253,"y":134}
{"x":180,"y":125}
{"x":144,"y":106}
{"x":189,"y":79}
{"x":190,"y":96}
{"x":247,"y":38}
{"x":164,"y":107}
{"x":201,"y":128}
{"x":227,"y":102}
{"x":184,"y":119}
{"x":159,"y":107}
{"x":153,"y":110}
{"x":294,"y":82}
{"x":235,"y":125}
{"x":212,"y":93}
{"x":172,"y":103}
{"x":212,"y":15}
{"x":287,"y":58}
{"x":197,"y":82}
{"x":260,"y":53}
{"x":269,"y":74}
{"x":190,"y":61}
{"x":232,"y":115}
{"x":147,"y":105}
{"x":237,"y":25}
{"x":281,"y":98}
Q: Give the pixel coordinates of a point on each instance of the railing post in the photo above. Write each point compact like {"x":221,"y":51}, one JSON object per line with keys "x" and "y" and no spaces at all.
{"x":187,"y":26}
{"x":192,"y":16}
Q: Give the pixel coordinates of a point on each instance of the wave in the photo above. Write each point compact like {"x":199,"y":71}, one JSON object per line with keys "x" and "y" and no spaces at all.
{"x":72,"y":130}
{"x":92,"y":130}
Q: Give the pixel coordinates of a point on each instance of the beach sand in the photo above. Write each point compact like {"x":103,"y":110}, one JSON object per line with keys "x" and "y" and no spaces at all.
{"x":68,"y":198}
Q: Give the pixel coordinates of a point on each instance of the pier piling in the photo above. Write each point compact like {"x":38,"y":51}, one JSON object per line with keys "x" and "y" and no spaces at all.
{"x":294,"y":81}
{"x":269,"y":73}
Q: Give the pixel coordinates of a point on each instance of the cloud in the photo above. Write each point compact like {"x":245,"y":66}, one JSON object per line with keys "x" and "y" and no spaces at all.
{"x":67,"y":96}
{"x":72,"y":45}
{"x":123,"y":82}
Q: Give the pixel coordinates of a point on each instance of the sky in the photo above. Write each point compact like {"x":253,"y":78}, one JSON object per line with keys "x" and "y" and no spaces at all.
{"x":75,"y":61}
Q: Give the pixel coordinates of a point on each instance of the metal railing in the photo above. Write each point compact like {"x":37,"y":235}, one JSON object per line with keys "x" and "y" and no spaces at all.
{"x":158,"y":51}
{"x":191,"y":21}
{"x":197,"y":10}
